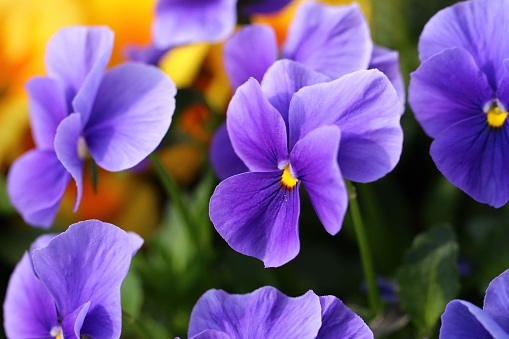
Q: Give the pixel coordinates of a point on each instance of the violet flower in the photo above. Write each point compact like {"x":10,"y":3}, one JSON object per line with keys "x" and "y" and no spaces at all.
{"x":268,"y":313}
{"x":463,"y":319}
{"x":286,"y":138}
{"x":118,"y":118}
{"x":460,"y":96}
{"x":68,"y":286}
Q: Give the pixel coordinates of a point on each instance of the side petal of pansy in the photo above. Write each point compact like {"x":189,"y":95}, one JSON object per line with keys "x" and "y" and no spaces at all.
{"x":333,"y":40}
{"x":496,"y":301}
{"x":73,"y":323}
{"x":44,"y":176}
{"x":257,"y":216}
{"x":223,"y":158}
{"x":387,"y":62}
{"x":131,"y":115}
{"x":366,"y":108}
{"x":264,"y":313}
{"x":249,"y":53}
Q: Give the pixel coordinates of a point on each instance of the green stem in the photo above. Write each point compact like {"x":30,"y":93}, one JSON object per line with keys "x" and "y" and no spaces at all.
{"x":367,"y":261}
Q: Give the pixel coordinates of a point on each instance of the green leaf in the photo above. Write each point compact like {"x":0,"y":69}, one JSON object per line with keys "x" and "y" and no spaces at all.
{"x":429,"y":277}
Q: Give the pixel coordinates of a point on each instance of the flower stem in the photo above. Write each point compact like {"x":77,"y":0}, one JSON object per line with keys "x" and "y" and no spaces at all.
{"x":367,"y":261}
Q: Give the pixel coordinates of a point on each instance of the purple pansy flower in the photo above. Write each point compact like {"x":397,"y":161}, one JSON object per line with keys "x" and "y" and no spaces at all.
{"x":463,"y":319}
{"x":118,"y":118}
{"x":268,"y":313}
{"x":286,"y":136}
{"x":68,"y":286}
{"x":460,"y":96}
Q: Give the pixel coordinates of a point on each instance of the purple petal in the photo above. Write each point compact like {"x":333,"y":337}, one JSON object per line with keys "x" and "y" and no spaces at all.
{"x":338,"y":321}
{"x":256,"y":129}
{"x":147,"y":54}
{"x":387,"y":62}
{"x":47,"y":108}
{"x":36,"y":184}
{"x":223,"y":158}
{"x":249,"y":53}
{"x":478,"y":27}
{"x":366,"y":108}
{"x":67,"y":142}
{"x":42,"y":241}
{"x":283,"y":79}
{"x":87,"y":263}
{"x":136,"y":242}
{"x":333,"y":40}
{"x":446,"y":89}
{"x":180,"y":22}
{"x":29,"y":310}
{"x":475,"y":158}
{"x":496,"y":302}
{"x":258,"y":216}
{"x":72,"y":323}
{"x":313,"y":160}
{"x":264,"y":313}
{"x":262,"y":6}
{"x":132,"y":113}
{"x":462,"y":319}
{"x":210,"y":334}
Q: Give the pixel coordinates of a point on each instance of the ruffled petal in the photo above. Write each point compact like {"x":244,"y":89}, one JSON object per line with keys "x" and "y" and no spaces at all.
{"x":333,"y":40}
{"x":313,"y":161}
{"x":223,"y":158}
{"x":249,"y":53}
{"x":462,"y":319}
{"x":264,"y":313}
{"x":36,"y":184}
{"x":256,"y":129}
{"x":496,"y":301}
{"x":446,"y":89}
{"x":88,"y":262}
{"x":366,"y":108}
{"x":475,"y":158}
{"x":47,"y":109}
{"x":387,"y":62}
{"x":132,"y":114}
{"x":258,"y":216}
{"x":180,"y":22}
{"x":29,"y":310}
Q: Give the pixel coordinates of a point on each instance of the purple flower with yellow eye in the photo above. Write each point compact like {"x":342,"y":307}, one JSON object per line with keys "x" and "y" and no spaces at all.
{"x":68,"y":286}
{"x":78,"y":111}
{"x":460,"y":96}
{"x":268,"y":313}
{"x":287,"y":136}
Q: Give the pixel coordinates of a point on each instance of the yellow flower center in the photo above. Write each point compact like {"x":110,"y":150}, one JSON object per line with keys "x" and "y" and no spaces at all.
{"x":57,"y":332}
{"x":82,"y":148}
{"x":496,"y":117}
{"x":287,"y":179}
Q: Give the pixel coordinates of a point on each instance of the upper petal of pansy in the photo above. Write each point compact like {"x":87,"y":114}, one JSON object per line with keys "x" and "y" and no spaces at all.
{"x":313,"y":161}
{"x":87,"y":263}
{"x":462,"y":319}
{"x":477,"y":26}
{"x":258,"y":216}
{"x":180,"y":22}
{"x":256,"y":129}
{"x":223,"y":158}
{"x":365,"y":107}
{"x":77,"y":57}
{"x":150,"y":55}
{"x":132,"y":113}
{"x":474,"y":157}
{"x":333,"y":40}
{"x":283,"y":79}
{"x":496,"y":301}
{"x":338,"y":321}
{"x":29,"y":310}
{"x":48,"y":108}
{"x":264,"y":313}
{"x":447,"y":88}
{"x":387,"y":62}
{"x":249,"y":53}
{"x":36,"y":184}
{"x":262,"y":6}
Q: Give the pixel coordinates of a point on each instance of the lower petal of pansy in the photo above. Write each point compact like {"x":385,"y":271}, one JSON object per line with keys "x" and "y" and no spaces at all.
{"x":474,"y":157}
{"x":496,"y":301}
{"x":223,"y":158}
{"x":258,"y":216}
{"x":36,"y":184}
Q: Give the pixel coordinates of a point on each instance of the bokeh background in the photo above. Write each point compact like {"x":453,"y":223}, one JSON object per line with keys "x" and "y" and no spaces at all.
{"x":178,"y":263}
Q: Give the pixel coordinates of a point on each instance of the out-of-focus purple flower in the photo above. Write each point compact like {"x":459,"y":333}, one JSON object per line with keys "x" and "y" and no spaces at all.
{"x":268,"y":313}
{"x":463,"y":319}
{"x":286,"y":136}
{"x":460,"y":96}
{"x":118,"y":118}
{"x":68,"y":286}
